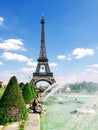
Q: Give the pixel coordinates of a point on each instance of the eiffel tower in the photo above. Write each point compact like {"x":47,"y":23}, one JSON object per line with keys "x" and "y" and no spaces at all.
{"x":42,"y":72}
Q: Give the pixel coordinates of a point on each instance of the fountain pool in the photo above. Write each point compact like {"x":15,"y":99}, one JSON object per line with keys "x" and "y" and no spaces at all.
{"x":64,"y":112}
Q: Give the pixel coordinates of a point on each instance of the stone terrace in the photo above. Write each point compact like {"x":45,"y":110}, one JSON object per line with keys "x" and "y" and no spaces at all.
{"x":33,"y":123}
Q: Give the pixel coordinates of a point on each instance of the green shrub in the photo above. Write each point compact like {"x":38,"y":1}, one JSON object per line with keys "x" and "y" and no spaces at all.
{"x":27,"y":93}
{"x":12,"y":105}
{"x":21,"y":86}
{"x":34,"y":92}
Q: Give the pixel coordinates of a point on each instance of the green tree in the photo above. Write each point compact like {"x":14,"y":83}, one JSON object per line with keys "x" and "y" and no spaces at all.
{"x":27,"y":93}
{"x":34,"y":92}
{"x":12,"y":105}
{"x":0,"y":85}
{"x":84,"y":87}
{"x":21,"y":86}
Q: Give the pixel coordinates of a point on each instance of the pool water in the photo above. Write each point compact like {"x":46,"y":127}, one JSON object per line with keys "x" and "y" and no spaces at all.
{"x":61,"y":114}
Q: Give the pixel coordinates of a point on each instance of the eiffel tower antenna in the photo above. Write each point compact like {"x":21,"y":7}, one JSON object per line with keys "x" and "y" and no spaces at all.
{"x":43,"y":47}
{"x":42,"y":72}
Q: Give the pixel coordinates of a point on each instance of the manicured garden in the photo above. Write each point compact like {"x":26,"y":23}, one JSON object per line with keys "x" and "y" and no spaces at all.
{"x":13,"y":101}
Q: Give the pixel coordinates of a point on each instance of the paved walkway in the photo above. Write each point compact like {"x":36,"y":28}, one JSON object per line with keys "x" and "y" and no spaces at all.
{"x":14,"y":126}
{"x":33,"y":123}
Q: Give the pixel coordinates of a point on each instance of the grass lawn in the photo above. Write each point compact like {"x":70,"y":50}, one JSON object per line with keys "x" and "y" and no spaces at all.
{"x":1,"y":91}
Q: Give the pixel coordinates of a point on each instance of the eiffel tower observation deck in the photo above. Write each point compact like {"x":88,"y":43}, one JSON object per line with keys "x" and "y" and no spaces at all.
{"x":42,"y":72}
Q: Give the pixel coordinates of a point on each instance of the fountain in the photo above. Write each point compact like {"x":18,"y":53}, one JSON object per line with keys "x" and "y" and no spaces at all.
{"x":55,"y":87}
{"x":49,"y":88}
{"x":86,"y":111}
{"x":89,"y":106}
{"x":69,"y":111}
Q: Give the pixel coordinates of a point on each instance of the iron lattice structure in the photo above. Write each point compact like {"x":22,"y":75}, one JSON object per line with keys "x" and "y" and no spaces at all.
{"x":42,"y":72}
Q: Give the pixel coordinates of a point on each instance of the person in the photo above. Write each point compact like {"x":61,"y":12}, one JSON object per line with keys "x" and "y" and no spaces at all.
{"x":35,"y":102}
{"x":37,"y":109}
{"x":41,"y":107}
{"x":37,"y":106}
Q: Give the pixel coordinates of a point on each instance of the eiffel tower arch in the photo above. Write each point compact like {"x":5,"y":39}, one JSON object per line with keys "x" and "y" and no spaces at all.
{"x":42,"y":72}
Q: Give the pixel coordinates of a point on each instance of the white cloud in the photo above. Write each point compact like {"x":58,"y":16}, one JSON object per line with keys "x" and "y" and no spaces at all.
{"x":1,"y":63}
{"x":28,"y":70}
{"x":53,"y":64}
{"x":5,"y":75}
{"x":22,"y":76}
{"x":93,"y":76}
{"x":88,"y":69}
{"x":12,"y":44}
{"x":68,"y":58}
{"x":81,"y":52}
{"x":14,"y":56}
{"x":94,"y":65}
{"x":1,"y":21}
{"x":61,"y":57}
{"x":83,"y":73}
{"x":95,"y":72}
{"x":32,"y":63}
{"x":93,"y":69}
{"x":67,"y":79}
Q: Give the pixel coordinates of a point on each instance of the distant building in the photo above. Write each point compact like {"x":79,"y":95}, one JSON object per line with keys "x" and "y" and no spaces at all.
{"x":68,"y":90}
{"x":3,"y":84}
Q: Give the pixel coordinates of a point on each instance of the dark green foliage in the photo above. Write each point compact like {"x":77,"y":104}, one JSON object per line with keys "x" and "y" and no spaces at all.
{"x":0,"y":85}
{"x":22,"y":125}
{"x":12,"y":105}
{"x":21,"y":86}
{"x":84,"y":87}
{"x":27,"y":93}
{"x":34,"y":92}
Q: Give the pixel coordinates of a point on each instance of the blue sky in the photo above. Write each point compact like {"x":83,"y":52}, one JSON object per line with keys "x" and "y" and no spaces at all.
{"x":71,"y":35}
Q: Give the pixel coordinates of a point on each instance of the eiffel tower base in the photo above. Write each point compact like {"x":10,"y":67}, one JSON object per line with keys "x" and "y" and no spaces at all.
{"x":37,"y":77}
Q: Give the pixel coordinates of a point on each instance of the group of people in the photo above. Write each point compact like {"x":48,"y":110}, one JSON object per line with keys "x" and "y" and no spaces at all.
{"x":37,"y":105}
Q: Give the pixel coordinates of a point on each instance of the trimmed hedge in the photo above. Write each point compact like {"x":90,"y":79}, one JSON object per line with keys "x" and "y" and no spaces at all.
{"x":12,"y":105}
{"x":27,"y":93}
